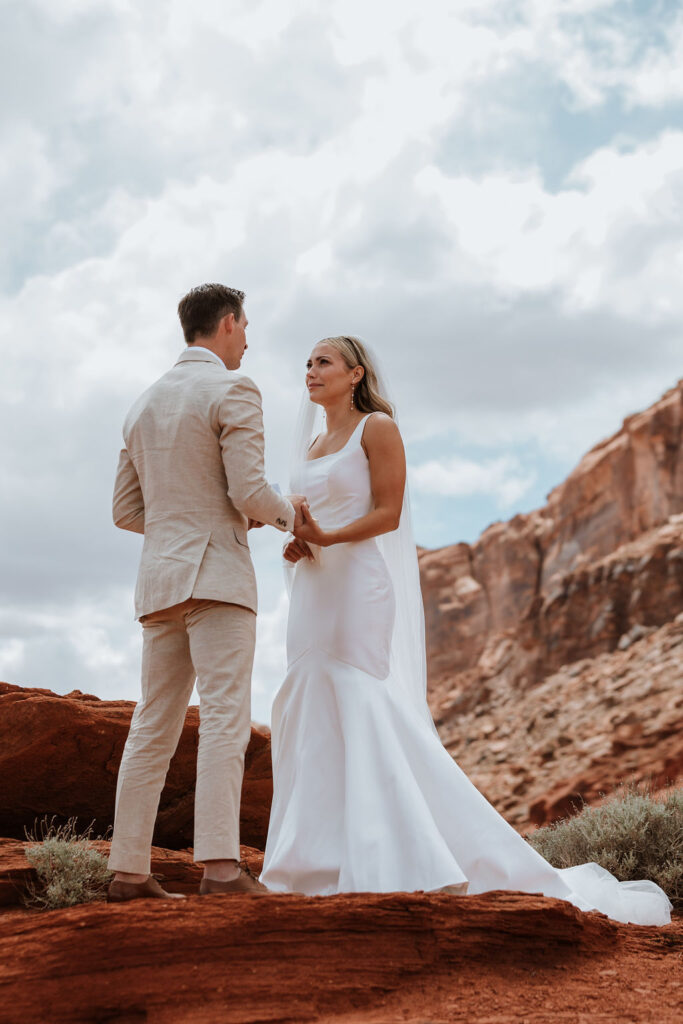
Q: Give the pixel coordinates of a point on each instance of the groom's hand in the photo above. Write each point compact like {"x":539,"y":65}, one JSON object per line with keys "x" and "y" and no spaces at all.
{"x":254,"y":524}
{"x":309,"y":530}
{"x":297,"y":501}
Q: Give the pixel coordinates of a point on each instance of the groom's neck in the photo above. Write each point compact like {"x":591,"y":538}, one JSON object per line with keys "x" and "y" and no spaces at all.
{"x":203,"y":343}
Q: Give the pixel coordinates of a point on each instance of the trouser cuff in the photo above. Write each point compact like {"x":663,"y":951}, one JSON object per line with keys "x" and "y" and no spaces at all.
{"x":125,"y":855}
{"x":216,"y":847}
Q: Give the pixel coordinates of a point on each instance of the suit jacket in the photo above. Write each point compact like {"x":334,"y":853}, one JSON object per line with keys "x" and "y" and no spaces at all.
{"x":190,"y":476}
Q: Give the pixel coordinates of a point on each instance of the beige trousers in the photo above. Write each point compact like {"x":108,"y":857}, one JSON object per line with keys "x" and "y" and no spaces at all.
{"x":213,"y":641}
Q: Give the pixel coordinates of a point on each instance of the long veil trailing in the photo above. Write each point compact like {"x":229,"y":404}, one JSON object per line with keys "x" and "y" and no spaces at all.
{"x":408,"y":651}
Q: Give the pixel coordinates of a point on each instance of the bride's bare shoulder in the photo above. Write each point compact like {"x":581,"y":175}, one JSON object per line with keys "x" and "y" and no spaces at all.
{"x":381,"y":421}
{"x":381,"y":429}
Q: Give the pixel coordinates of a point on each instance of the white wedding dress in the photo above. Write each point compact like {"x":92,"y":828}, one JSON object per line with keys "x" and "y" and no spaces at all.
{"x":366,"y":798}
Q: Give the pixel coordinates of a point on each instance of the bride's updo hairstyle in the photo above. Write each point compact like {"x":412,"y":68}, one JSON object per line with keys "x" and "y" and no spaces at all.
{"x":367,"y":397}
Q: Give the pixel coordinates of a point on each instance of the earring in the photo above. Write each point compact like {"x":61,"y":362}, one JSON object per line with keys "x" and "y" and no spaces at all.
{"x":353,"y":388}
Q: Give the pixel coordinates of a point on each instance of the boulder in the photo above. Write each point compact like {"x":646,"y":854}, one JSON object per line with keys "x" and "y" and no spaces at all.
{"x":59,"y":755}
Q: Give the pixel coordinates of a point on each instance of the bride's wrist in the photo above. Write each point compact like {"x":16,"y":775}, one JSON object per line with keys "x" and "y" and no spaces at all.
{"x":328,"y":538}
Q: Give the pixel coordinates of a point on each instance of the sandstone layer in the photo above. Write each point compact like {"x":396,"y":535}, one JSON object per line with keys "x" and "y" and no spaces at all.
{"x":553,"y":653}
{"x":365,"y":958}
{"x":59,"y":755}
{"x":361,"y":958}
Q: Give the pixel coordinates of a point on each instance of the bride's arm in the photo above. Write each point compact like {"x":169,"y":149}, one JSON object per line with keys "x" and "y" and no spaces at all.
{"x":384,"y":448}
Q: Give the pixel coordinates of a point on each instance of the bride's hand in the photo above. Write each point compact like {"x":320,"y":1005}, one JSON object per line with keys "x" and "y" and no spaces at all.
{"x":295,"y":550}
{"x":310,"y":530}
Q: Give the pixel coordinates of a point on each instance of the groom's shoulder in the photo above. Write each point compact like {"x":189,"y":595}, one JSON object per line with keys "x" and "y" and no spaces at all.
{"x":238,"y":385}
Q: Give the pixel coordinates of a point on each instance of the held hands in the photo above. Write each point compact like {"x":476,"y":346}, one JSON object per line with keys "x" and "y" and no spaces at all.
{"x":306,"y":531}
{"x":296,"y":550}
{"x":309,"y":530}
{"x":297,"y":501}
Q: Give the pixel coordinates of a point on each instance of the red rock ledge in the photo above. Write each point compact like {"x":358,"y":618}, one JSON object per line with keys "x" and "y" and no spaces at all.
{"x":501,"y":956}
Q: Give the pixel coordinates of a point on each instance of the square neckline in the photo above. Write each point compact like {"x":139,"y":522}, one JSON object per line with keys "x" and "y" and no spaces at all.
{"x":319,"y":458}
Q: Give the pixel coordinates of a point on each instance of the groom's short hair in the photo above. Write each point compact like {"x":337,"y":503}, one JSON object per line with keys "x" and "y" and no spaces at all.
{"x":204,"y":306}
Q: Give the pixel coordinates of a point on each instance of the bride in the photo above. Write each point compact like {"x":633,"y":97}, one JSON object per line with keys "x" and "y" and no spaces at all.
{"x":366,"y":798}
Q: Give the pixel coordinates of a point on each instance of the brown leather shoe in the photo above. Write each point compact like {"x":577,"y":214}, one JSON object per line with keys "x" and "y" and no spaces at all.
{"x":122,"y":892}
{"x":244,"y":883}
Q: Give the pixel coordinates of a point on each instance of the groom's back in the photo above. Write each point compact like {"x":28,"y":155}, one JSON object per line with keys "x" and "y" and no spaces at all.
{"x":185,"y":439}
{"x":172,"y":434}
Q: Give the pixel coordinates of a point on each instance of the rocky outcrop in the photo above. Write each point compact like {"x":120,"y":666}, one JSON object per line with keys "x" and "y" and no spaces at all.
{"x":176,"y":869}
{"x":546,"y":572}
{"x":537,"y":753}
{"x":59,"y":755}
{"x":514,"y":620}
{"x":15,"y":872}
{"x":352,"y":958}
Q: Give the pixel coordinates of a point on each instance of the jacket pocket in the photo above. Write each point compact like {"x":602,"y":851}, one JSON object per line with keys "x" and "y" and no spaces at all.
{"x":241,"y":537}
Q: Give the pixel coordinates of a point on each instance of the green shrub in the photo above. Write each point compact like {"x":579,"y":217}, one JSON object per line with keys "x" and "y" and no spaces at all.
{"x":70,"y":870}
{"x":633,"y":835}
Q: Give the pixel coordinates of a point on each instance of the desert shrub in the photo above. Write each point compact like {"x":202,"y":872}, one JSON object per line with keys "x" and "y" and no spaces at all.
{"x":633,"y":835}
{"x":70,"y":870}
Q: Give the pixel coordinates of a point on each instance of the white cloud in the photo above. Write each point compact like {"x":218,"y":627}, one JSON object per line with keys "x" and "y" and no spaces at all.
{"x":658,"y":79}
{"x":611,"y":239}
{"x":603,"y":48}
{"x":503,"y":478}
{"x":81,"y":644}
{"x":11,"y":658}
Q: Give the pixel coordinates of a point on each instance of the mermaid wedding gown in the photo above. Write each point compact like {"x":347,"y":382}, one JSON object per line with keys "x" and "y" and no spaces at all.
{"x":366,"y":798}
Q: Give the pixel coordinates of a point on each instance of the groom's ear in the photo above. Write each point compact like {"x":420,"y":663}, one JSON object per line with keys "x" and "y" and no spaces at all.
{"x":229,"y":323}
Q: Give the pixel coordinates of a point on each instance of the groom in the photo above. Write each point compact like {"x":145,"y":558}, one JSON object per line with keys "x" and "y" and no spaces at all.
{"x":191,"y":478}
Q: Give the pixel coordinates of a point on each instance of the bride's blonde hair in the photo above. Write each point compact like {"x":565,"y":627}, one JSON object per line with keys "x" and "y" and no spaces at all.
{"x":367,"y":397}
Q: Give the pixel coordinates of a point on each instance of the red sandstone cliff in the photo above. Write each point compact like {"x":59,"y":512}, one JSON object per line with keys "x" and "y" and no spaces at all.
{"x":554,"y":659}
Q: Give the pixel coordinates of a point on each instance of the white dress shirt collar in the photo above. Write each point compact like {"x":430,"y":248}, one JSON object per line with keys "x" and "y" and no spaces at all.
{"x":207,"y":352}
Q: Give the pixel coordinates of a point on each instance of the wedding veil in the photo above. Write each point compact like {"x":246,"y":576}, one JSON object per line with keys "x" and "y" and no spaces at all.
{"x":408,"y":652}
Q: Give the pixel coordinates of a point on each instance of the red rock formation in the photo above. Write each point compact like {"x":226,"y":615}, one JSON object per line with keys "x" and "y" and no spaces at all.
{"x":628,"y":485}
{"x":595,"y":569}
{"x":15,"y":872}
{"x":175,"y":867}
{"x":359,"y":958}
{"x":587,"y":727}
{"x":60,"y":756}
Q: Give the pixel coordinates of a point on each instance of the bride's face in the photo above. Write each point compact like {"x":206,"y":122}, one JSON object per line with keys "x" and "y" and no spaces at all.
{"x":328,"y":378}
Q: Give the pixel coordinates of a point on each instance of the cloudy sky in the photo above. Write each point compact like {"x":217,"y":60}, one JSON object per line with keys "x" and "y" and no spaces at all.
{"x":489,"y":191}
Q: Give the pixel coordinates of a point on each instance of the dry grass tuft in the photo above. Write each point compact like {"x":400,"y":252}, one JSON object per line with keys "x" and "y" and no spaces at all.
{"x":69,"y":869}
{"x":633,"y":835}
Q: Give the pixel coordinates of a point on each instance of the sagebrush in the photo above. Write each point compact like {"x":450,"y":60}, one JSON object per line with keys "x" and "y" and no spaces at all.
{"x":69,"y":869}
{"x":633,"y":835}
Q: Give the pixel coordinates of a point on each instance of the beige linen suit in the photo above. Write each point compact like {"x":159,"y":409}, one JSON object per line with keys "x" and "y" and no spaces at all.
{"x":189,"y":478}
